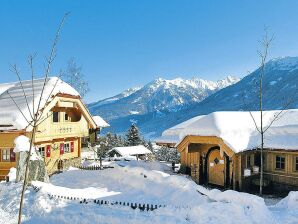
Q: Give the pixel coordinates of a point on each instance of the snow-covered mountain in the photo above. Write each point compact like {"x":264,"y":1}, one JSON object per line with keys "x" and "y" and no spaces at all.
{"x":158,"y":95}
{"x":280,"y":88}
{"x":165,"y":103}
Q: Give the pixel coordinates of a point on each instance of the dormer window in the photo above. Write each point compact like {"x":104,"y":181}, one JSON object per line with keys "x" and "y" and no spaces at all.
{"x":55,"y":117}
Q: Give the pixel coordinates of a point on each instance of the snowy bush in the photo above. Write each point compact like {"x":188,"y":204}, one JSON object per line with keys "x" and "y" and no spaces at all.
{"x":12,"y":174}
{"x":167,"y":154}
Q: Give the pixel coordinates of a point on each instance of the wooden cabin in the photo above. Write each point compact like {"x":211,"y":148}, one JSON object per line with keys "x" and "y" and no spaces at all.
{"x":64,"y":124}
{"x":222,"y":149}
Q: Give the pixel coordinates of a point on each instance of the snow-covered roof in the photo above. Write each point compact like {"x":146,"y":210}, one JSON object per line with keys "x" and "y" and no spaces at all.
{"x":131,"y":150}
{"x":237,"y":129}
{"x":10,"y":116}
{"x":100,"y":122}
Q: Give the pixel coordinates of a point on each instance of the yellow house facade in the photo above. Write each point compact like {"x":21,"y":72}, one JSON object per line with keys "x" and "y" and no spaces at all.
{"x":64,"y":124}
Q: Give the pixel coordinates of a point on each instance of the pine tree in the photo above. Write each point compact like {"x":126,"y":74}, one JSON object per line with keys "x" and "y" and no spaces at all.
{"x":133,"y":136}
{"x":150,"y":146}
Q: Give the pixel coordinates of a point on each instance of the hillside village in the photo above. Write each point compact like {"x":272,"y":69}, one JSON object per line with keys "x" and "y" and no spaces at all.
{"x":172,"y":150}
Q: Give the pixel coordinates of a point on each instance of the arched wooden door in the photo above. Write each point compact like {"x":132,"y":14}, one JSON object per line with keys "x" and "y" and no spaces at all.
{"x":216,"y":168}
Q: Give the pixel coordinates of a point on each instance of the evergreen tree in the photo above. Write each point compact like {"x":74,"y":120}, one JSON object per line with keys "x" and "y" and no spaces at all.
{"x":150,"y":146}
{"x":133,"y":136}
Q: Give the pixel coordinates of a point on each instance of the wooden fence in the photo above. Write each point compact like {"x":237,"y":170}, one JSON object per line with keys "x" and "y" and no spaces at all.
{"x":95,"y":167}
{"x":140,"y":206}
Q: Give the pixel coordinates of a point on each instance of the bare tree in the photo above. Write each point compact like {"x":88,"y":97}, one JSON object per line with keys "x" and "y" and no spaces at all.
{"x":102,"y":149}
{"x":261,"y":128}
{"x":73,"y":76}
{"x":99,"y":150}
{"x":35,"y":112}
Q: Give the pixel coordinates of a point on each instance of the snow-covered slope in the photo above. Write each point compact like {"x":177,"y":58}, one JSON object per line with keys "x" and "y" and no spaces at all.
{"x":112,"y":99}
{"x":142,"y":183}
{"x":158,"y":97}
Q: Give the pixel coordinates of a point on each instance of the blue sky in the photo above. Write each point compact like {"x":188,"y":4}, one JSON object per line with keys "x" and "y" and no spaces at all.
{"x":121,"y":44}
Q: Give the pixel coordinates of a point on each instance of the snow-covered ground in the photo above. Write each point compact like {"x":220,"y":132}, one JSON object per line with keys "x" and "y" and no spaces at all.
{"x":144,"y":183}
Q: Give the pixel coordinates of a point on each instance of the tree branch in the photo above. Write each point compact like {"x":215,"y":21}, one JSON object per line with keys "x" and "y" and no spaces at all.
{"x":15,"y":70}
{"x":250,"y":113}
{"x":50,"y":95}
{"x":30,"y":61}
{"x":51,"y":58}
{"x":29,"y":123}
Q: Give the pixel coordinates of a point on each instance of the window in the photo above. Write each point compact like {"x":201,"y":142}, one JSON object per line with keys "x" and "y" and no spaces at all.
{"x":6,"y":155}
{"x":66,"y":117}
{"x":296,"y":164}
{"x":41,"y":151}
{"x":257,"y":159}
{"x":280,"y":162}
{"x":66,"y":148}
{"x":55,"y":117}
{"x":248,"y":161}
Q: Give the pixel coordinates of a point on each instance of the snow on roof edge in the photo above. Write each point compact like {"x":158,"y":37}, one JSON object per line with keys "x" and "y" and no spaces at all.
{"x":131,"y":150}
{"x":237,"y":130}
{"x":100,"y":122}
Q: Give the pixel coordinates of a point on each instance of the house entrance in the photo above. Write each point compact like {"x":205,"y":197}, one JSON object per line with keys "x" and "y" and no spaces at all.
{"x":216,"y":168}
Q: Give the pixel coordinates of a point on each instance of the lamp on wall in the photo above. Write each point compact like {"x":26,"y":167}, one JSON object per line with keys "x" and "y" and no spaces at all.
{"x":55,"y":146}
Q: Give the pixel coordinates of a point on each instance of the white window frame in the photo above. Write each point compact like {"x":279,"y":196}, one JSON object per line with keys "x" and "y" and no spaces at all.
{"x":67,"y":147}
{"x":42,"y":150}
{"x":5,"y":157}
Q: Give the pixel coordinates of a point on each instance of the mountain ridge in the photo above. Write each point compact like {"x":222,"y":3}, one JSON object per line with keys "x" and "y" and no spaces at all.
{"x":280,"y":84}
{"x":159,"y":94}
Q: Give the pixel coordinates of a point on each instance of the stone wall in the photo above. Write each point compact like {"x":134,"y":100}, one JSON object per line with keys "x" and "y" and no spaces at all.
{"x":61,"y":165}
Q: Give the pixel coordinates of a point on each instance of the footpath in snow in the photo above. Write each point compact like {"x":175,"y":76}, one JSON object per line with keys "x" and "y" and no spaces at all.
{"x":138,"y":182}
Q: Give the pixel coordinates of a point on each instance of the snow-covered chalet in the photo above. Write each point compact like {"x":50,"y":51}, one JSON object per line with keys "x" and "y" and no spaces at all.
{"x":223,"y":149}
{"x":64,"y":124}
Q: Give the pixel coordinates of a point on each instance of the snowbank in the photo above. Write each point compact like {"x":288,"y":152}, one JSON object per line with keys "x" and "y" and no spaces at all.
{"x":237,"y":129}
{"x":289,"y":202}
{"x":251,"y":203}
{"x":136,"y":184}
{"x":154,"y":165}
{"x":12,"y":174}
{"x":88,"y":192}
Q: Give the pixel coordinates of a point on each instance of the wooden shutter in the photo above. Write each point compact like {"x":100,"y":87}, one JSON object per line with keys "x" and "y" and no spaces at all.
{"x":71,"y":146}
{"x":12,"y":156}
{"x":48,"y":152}
{"x":61,"y":148}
